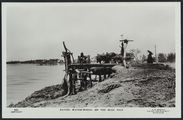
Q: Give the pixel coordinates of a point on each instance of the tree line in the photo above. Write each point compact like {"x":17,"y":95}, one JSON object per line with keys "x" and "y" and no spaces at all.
{"x":38,"y":61}
{"x":132,"y":55}
{"x":170,"y":57}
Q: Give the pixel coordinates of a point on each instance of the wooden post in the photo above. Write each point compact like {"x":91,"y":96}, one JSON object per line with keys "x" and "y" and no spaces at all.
{"x":90,"y":79}
{"x":74,"y":78}
{"x":67,"y":58}
{"x":104,"y":76}
{"x":156,"y":57}
{"x":100,"y":78}
{"x":124,"y":55}
{"x":124,"y":43}
{"x":85,"y":81}
{"x":70,"y":82}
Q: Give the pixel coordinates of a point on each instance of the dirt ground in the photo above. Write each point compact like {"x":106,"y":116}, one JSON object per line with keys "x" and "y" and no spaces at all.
{"x":138,"y":86}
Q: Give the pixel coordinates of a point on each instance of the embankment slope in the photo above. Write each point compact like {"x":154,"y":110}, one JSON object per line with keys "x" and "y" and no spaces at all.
{"x":138,"y":86}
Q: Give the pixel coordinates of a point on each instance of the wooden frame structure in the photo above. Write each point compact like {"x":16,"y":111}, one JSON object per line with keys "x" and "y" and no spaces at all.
{"x":82,"y":71}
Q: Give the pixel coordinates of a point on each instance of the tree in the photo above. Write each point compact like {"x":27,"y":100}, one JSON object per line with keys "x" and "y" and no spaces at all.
{"x":162,"y":57}
{"x":144,"y":58}
{"x":135,"y":53}
{"x":171,"y":57}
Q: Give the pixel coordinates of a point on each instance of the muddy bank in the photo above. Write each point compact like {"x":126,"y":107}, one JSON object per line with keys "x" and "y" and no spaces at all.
{"x":138,"y":86}
{"x":47,"y":93}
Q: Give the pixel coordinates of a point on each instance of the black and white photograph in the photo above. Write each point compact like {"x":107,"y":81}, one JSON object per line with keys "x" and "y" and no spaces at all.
{"x":103,"y":58}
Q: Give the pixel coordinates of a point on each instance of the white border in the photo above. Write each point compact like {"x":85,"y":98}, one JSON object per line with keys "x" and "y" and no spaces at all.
{"x":127,"y":112}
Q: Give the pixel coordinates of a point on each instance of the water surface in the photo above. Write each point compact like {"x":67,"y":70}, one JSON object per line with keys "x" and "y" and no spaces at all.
{"x":24,"y":79}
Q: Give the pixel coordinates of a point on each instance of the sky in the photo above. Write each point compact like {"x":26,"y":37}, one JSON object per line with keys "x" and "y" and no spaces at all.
{"x":36,"y":31}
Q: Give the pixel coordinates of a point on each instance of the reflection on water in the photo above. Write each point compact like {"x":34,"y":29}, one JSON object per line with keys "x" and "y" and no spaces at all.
{"x":24,"y":79}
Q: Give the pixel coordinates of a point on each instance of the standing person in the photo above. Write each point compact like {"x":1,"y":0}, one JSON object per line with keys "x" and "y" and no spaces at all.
{"x":150,"y":58}
{"x":82,"y":58}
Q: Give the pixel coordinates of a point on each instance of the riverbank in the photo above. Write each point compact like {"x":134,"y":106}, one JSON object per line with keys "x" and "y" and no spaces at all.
{"x":138,"y":86}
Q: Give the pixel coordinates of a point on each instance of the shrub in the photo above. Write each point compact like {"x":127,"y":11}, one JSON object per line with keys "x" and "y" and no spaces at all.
{"x":162,"y":57}
{"x":171,"y":57}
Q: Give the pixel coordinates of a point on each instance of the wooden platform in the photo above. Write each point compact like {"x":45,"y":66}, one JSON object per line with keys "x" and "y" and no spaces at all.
{"x":86,"y":65}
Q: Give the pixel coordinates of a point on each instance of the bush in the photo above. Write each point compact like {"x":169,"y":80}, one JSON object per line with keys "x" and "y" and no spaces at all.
{"x":171,"y":57}
{"x":162,"y":57}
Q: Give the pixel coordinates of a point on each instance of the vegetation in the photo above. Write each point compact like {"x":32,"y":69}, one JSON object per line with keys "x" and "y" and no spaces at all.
{"x":113,"y":57}
{"x":171,"y":57}
{"x":166,"y":57}
{"x":161,"y":57}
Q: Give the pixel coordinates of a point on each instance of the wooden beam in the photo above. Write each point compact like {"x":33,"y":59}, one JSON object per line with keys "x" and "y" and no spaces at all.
{"x":76,"y":66}
{"x":126,"y":40}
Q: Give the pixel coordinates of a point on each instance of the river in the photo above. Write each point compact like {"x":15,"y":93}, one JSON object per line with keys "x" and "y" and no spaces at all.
{"x":24,"y":79}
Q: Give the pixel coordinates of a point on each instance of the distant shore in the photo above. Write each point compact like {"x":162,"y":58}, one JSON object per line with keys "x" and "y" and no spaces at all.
{"x":38,"y":61}
{"x":140,"y":86}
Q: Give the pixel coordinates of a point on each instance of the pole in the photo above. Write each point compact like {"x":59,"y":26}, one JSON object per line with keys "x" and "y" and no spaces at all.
{"x":156,"y":58}
{"x":124,"y":44}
